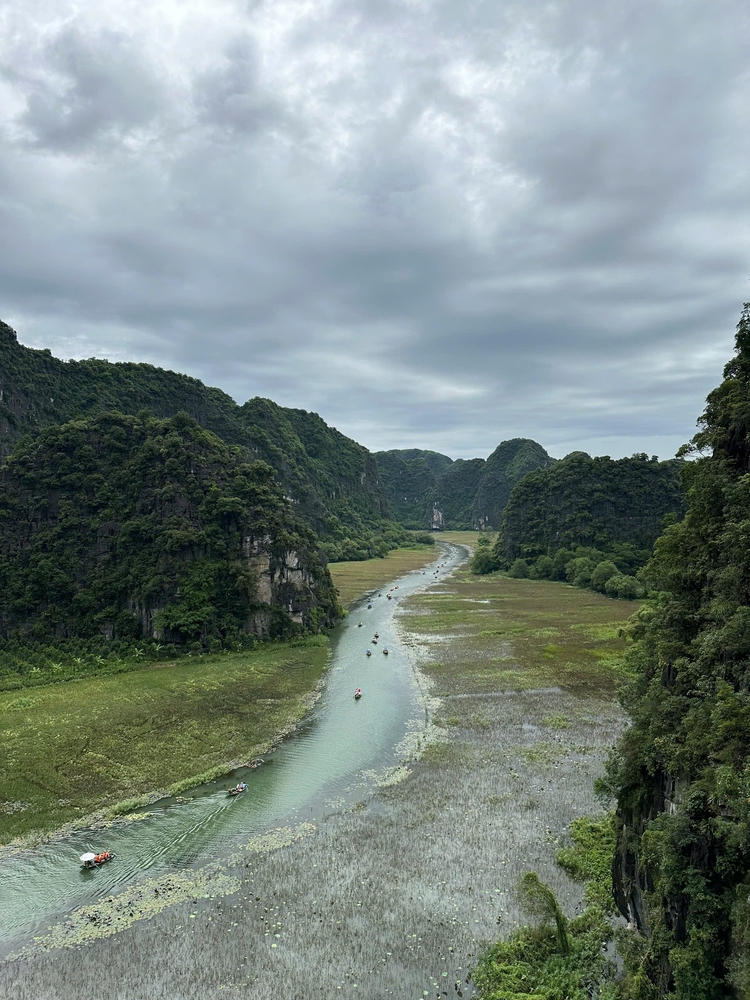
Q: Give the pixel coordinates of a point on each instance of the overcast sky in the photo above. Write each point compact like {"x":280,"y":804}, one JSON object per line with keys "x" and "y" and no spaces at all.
{"x":437,"y":223}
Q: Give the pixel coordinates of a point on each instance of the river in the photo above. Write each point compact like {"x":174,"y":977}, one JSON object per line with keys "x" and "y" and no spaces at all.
{"x":328,"y":763}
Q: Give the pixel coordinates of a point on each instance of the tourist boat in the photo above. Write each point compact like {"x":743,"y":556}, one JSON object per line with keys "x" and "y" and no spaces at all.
{"x":358,"y":694}
{"x":91,"y":860}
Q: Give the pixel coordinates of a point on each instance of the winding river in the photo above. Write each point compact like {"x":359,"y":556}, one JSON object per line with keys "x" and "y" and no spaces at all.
{"x":328,"y":763}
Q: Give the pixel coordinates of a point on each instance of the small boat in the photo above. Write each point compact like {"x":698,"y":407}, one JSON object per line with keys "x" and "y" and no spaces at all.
{"x":385,"y":651}
{"x":238,"y":789}
{"x":358,"y":694}
{"x":91,"y":860}
{"x":369,"y":652}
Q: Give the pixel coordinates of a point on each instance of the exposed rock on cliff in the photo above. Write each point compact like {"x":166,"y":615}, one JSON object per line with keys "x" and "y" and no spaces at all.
{"x":133,"y":526}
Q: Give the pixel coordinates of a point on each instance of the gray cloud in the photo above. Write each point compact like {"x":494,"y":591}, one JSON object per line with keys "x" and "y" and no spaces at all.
{"x":435,"y":223}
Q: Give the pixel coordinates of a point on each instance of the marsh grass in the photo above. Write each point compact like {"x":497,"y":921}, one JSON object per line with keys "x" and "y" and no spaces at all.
{"x":71,"y":749}
{"x":354,"y":579}
{"x":399,"y":896}
{"x":516,"y":635}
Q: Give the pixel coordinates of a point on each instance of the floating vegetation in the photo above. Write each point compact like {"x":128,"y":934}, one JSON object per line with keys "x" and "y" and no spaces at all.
{"x":138,"y":902}
{"x":283,"y":836}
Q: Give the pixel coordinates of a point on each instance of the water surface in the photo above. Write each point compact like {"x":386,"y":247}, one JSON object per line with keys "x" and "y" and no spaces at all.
{"x":327,"y":763}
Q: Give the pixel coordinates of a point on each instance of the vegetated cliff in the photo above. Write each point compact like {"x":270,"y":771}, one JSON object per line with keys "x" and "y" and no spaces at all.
{"x":471,"y":493}
{"x":434,"y":461}
{"x":409,"y":484}
{"x":131,"y":526}
{"x":506,"y":466}
{"x":681,"y":772}
{"x":455,"y":493}
{"x":332,"y":480}
{"x":594,"y":502}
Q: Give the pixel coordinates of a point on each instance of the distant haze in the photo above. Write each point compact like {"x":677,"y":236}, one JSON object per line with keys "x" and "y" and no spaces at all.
{"x":438,"y":224}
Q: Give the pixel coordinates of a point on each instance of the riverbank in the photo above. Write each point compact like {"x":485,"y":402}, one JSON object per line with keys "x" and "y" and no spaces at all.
{"x":353,"y":579}
{"x":398,"y":896}
{"x":88,"y":746}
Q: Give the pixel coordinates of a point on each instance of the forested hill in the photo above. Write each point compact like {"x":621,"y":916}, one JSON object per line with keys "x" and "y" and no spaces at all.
{"x":590,"y":502}
{"x":136,"y":528}
{"x":470,"y":493}
{"x":682,"y":770}
{"x":332,"y":480}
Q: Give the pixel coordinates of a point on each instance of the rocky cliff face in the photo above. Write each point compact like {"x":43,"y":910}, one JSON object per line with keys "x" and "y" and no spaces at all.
{"x":132,"y":527}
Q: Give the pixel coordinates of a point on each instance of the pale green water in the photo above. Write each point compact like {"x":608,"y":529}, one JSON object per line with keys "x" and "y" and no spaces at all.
{"x":319,"y":768}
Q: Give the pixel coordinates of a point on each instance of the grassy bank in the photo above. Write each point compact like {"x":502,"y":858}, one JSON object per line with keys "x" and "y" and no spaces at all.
{"x":353,"y":579}
{"x":71,"y":749}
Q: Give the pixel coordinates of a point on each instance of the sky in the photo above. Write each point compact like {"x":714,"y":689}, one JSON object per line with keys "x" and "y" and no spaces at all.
{"x":436,"y":223}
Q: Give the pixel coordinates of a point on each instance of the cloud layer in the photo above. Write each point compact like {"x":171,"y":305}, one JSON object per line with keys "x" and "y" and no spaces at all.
{"x":438,"y":223}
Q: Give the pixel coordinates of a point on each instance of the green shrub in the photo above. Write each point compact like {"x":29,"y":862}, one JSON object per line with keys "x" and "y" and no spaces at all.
{"x":543,"y":568}
{"x":578,"y":571}
{"x":519,"y":570}
{"x":603,"y":572}
{"x":483,"y":561}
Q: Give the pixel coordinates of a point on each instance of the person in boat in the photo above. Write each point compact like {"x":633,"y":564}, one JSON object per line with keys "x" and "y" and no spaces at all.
{"x":360,"y":625}
{"x":369,"y":652}
{"x":358,"y":693}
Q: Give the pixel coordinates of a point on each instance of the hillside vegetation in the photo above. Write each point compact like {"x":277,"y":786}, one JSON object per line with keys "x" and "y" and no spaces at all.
{"x":587,"y":521}
{"x":137,"y":528}
{"x":682,"y":770}
{"x":332,"y":480}
{"x":470,"y":493}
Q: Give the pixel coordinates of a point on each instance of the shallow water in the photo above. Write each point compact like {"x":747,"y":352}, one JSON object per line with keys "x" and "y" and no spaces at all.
{"x":326,"y":763}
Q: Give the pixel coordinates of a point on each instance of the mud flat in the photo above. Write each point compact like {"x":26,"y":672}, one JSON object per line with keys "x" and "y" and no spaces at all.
{"x":397,"y":895}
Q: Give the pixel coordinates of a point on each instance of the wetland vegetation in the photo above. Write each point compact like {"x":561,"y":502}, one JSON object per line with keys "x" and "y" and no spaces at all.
{"x":353,"y":579}
{"x":72,"y":749}
{"x":399,"y":896}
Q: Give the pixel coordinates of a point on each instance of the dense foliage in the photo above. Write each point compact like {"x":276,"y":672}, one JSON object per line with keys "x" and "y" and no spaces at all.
{"x":592,"y":503}
{"x":408,"y":479}
{"x":616,"y":573}
{"x":682,"y":771}
{"x":506,"y":466}
{"x":556,"y":960}
{"x":332,"y":480}
{"x":131,"y":527}
{"x":470,"y":493}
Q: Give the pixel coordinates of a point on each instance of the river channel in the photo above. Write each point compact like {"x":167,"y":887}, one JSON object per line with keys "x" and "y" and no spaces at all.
{"x":328,"y":763}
